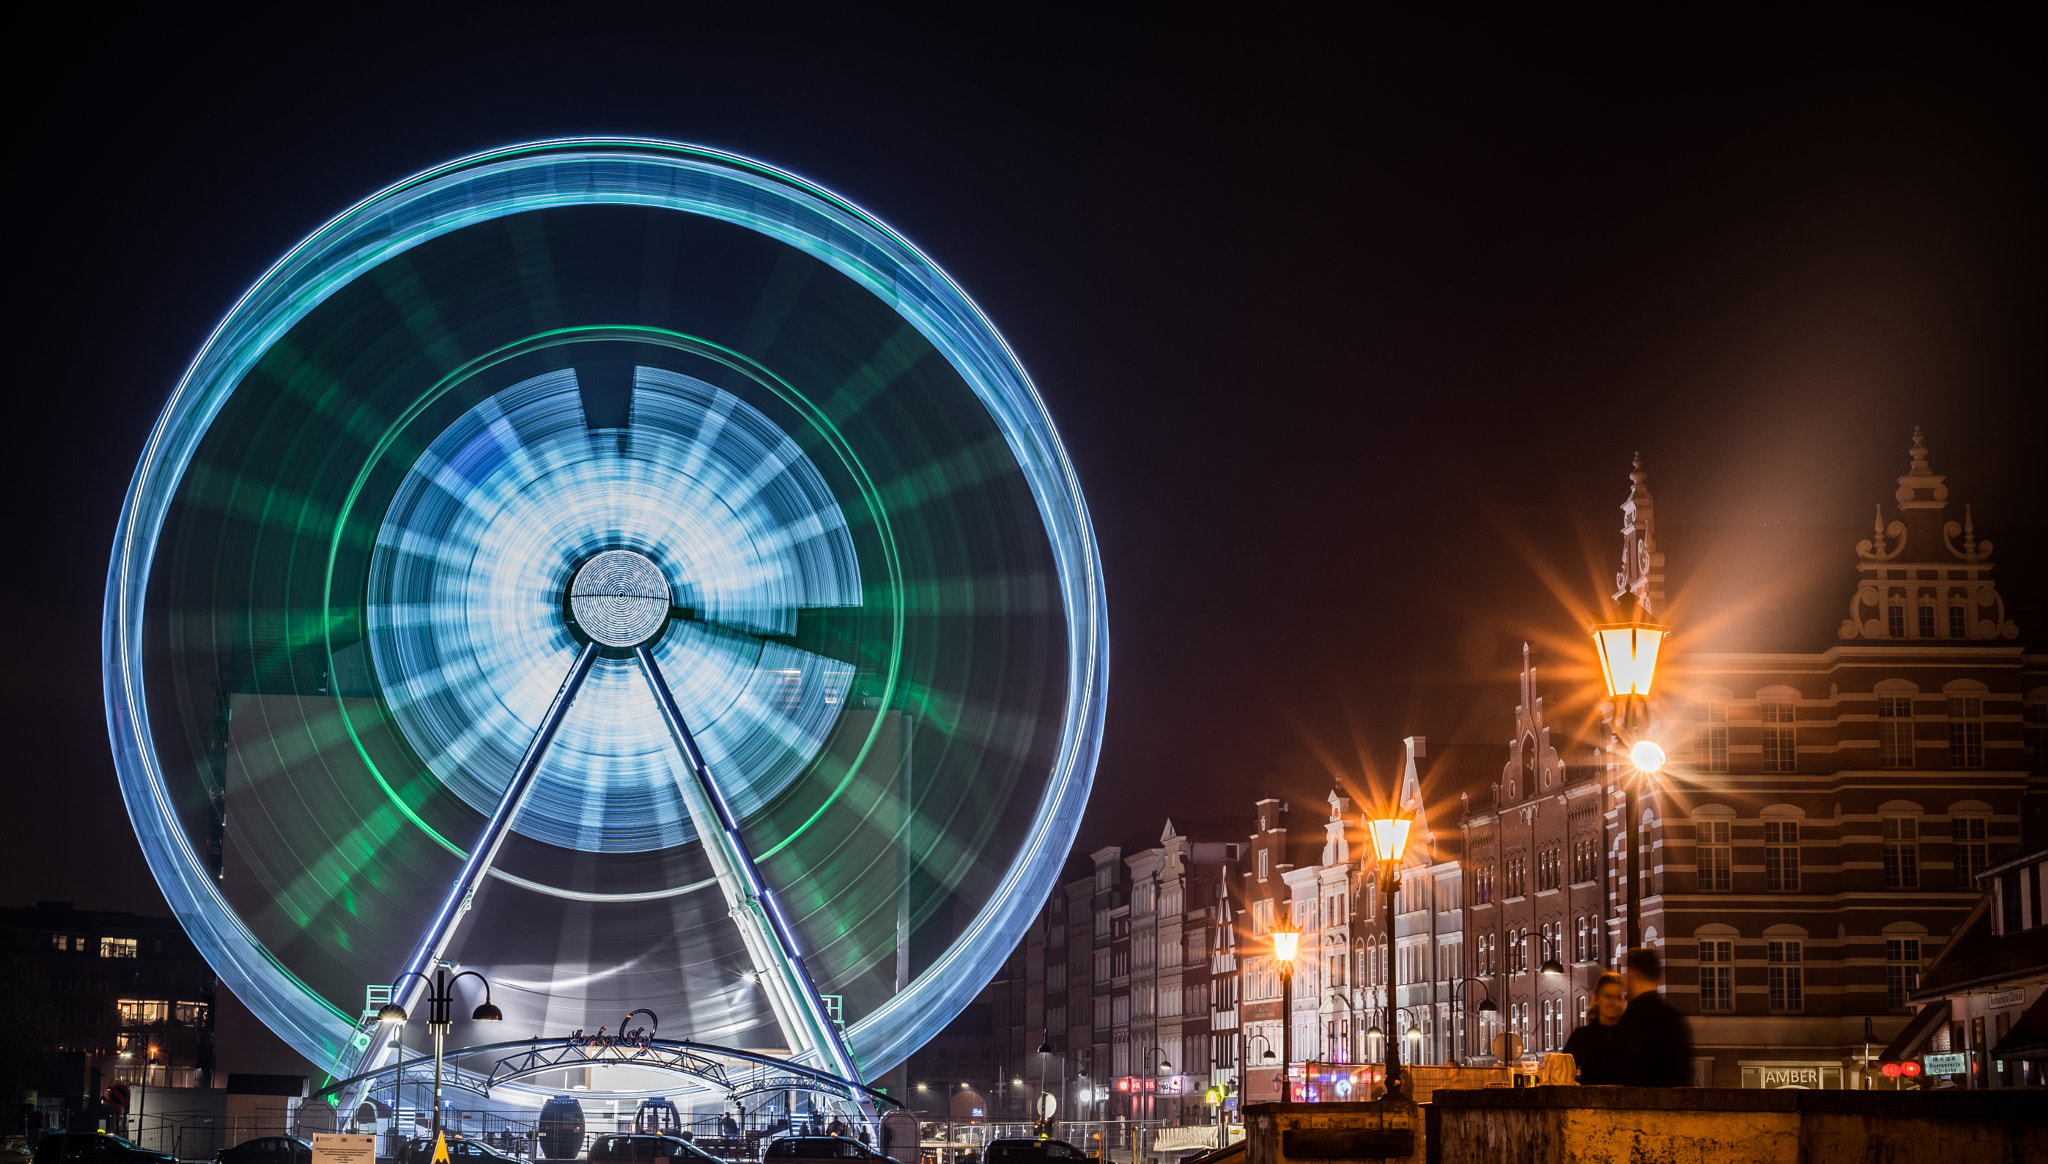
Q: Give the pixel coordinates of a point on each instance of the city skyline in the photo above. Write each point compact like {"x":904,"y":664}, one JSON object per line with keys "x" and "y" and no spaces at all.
{"x":1352,"y":399}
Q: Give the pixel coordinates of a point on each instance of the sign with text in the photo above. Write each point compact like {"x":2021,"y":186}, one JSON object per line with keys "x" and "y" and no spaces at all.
{"x":1955,"y":1064}
{"x":2006,"y":998}
{"x":333,"y":1148}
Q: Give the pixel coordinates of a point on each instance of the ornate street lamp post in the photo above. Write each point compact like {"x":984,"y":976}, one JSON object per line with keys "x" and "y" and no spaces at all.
{"x":1486,"y":1004}
{"x":1286,"y":943}
{"x":440,"y":997}
{"x":1389,"y":842}
{"x":1628,"y":653}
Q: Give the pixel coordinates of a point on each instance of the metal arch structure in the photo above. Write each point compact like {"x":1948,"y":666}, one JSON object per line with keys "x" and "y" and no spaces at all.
{"x":372,"y":838}
{"x":683,"y":1058}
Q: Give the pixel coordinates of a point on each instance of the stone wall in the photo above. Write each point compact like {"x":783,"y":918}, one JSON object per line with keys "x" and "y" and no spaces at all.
{"x":1636,"y":1125}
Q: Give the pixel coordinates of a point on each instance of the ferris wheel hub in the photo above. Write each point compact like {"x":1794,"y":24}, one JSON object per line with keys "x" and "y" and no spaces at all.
{"x":620,"y":598}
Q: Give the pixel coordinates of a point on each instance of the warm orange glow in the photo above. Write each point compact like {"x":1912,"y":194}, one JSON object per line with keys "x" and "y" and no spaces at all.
{"x":1647,"y":755}
{"x":1628,"y":655}
{"x":1286,"y":941}
{"x":1389,"y":837}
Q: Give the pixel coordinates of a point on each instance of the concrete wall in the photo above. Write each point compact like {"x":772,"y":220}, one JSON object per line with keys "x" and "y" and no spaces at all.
{"x":1634,"y":1125}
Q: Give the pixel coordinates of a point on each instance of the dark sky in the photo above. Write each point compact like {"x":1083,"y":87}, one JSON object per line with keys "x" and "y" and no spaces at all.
{"x":1350,"y":327}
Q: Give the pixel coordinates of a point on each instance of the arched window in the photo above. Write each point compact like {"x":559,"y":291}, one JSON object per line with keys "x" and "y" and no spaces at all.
{"x":1714,"y":840}
{"x":1781,"y":848}
{"x":1904,"y":944}
{"x":1710,"y":730}
{"x":1965,"y":723}
{"x":1785,"y":963}
{"x":1779,"y":730}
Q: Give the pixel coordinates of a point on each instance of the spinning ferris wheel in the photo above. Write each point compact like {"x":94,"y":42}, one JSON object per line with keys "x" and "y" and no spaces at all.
{"x":624,"y":569}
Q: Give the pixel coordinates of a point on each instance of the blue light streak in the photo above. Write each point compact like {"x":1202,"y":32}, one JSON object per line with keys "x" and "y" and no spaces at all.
{"x":617,"y":171}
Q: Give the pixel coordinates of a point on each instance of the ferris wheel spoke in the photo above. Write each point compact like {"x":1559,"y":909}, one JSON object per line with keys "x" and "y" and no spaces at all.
{"x":769,"y":939}
{"x":440,"y":931}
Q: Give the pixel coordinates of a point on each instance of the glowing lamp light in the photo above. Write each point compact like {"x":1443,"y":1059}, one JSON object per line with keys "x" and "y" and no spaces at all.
{"x":1892,"y":1070}
{"x":1375,"y":1032}
{"x":1647,"y":755}
{"x":1286,"y":941}
{"x":1628,"y":655}
{"x":1389,"y":837}
{"x":1910,"y":1067}
{"x":1486,"y":1006}
{"x":390,"y":1014}
{"x":1414,"y":1034}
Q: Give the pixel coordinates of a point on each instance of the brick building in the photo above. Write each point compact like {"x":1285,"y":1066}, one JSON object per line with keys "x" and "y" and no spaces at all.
{"x":1835,"y":788}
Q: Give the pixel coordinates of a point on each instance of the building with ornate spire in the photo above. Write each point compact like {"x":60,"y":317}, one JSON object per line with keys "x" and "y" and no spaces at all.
{"x":1820,"y":829}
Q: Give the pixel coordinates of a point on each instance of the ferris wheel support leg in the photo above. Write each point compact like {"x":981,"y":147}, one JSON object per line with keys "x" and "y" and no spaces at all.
{"x":434,"y":942}
{"x":767,"y":934}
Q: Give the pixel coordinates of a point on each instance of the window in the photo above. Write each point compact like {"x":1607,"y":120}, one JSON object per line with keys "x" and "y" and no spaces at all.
{"x":1895,"y":621}
{"x":1780,"y":746}
{"x":117,"y":947}
{"x":1958,"y":623}
{"x":1788,"y":979}
{"x":1102,"y":1012}
{"x":1717,"y":974}
{"x":1968,"y":849}
{"x":1895,"y":731}
{"x":1926,"y":622}
{"x":1262,"y":864}
{"x":1582,"y":941}
{"x":1714,"y":855}
{"x":1781,"y":856}
{"x":1901,"y":970}
{"x":1966,"y":731}
{"x":1901,"y":852}
{"x":1710,"y":736}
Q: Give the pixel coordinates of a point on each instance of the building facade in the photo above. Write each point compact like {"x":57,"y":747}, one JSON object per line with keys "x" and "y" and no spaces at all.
{"x":103,"y":998}
{"x":1837,"y":789}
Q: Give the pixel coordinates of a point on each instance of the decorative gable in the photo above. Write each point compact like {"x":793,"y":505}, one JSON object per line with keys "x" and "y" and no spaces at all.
{"x":1916,"y":582}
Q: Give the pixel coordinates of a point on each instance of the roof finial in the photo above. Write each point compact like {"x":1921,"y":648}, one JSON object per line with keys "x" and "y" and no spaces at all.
{"x":1921,"y":487}
{"x":1969,"y":534}
{"x":1877,"y":543}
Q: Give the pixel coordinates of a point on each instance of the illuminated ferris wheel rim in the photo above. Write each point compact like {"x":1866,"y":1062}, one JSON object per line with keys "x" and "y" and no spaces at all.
{"x":607,"y":171}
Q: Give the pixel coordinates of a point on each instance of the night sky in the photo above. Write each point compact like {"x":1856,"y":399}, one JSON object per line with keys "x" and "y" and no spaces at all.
{"x":1350,"y":327}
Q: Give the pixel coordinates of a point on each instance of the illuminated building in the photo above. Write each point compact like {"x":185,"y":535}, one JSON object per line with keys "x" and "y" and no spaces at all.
{"x":96,"y":991}
{"x":1835,"y":786}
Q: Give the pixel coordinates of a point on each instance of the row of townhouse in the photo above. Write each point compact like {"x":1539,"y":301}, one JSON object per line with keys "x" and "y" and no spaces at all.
{"x":1838,"y":787}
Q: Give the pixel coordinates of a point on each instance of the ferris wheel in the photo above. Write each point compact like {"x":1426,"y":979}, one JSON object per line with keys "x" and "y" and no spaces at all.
{"x":624,"y":569}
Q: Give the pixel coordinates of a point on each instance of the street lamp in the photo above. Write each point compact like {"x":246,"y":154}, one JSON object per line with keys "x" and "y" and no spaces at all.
{"x":1628,"y":652}
{"x":440,"y":997}
{"x":1286,"y":943}
{"x":1486,"y":1005}
{"x":1389,"y":842}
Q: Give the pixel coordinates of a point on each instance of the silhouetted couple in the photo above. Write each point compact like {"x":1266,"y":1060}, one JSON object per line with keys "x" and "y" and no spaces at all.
{"x":1632,"y":1036}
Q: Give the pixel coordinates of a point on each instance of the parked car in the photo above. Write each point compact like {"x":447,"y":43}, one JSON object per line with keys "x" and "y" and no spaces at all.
{"x":98,"y":1147}
{"x":267,"y":1150}
{"x":1023,"y":1151}
{"x":420,"y":1150}
{"x":821,"y":1148}
{"x":647,"y":1146}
